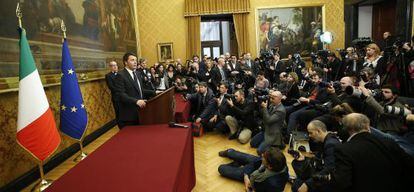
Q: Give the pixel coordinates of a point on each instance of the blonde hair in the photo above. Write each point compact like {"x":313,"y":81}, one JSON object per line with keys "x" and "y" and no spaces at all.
{"x":375,"y":48}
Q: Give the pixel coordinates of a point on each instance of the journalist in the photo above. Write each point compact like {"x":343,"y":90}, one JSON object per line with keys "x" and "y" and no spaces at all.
{"x":273,"y":123}
{"x":313,"y":173}
{"x":240,"y":119}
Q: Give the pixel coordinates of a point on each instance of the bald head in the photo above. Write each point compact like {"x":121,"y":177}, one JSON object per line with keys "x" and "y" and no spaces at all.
{"x":355,"y":122}
{"x":345,"y":82}
{"x":316,"y":124}
{"x":275,"y":97}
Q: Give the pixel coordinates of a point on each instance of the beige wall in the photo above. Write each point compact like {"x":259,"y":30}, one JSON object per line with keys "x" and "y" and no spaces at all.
{"x":163,"y":21}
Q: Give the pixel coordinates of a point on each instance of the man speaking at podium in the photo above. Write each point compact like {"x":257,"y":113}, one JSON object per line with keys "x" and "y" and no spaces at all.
{"x":130,"y":90}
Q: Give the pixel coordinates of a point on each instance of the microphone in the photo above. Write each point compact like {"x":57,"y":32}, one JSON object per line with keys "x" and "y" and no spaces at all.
{"x":173,"y":124}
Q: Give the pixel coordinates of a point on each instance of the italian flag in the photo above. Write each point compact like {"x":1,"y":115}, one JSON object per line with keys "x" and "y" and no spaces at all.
{"x":36,"y":127}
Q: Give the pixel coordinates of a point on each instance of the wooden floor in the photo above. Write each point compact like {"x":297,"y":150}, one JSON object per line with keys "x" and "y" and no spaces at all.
{"x":206,"y":150}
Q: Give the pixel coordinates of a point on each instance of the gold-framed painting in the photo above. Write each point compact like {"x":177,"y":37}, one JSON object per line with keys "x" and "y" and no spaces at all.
{"x":97,"y":31}
{"x":290,"y":29}
{"x":165,"y":52}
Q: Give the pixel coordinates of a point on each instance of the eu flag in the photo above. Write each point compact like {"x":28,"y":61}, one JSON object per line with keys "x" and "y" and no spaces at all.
{"x":73,"y":117}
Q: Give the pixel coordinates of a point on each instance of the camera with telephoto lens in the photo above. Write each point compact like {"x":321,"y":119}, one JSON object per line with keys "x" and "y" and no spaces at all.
{"x":321,"y":178}
{"x":401,"y":111}
{"x":353,"y":91}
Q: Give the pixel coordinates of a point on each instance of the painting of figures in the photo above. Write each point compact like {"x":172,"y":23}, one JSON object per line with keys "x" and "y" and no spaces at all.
{"x":290,"y":30}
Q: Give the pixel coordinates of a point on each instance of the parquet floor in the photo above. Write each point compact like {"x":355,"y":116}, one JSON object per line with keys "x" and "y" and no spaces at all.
{"x":206,"y":150}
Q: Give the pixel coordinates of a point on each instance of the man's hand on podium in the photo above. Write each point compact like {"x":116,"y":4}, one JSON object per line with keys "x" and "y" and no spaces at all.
{"x":141,"y":103}
{"x":158,"y":92}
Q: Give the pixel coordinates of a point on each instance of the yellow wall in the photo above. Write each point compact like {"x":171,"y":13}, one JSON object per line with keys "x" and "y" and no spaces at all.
{"x":163,"y":21}
{"x":14,"y":161}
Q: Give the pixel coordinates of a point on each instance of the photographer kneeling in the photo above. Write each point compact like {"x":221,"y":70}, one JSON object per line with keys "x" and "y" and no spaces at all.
{"x":241,"y":119}
{"x":273,"y":123}
{"x":313,"y":174}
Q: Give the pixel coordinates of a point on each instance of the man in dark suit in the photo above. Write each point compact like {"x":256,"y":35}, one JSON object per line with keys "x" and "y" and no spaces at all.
{"x":214,"y":114}
{"x":110,"y":82}
{"x":367,"y":163}
{"x":131,"y":92}
{"x":326,"y":161}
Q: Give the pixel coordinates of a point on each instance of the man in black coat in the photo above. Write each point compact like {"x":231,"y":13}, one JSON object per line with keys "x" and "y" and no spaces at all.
{"x":130,"y":89}
{"x":366,"y":163}
{"x":317,"y":132}
{"x":110,"y":82}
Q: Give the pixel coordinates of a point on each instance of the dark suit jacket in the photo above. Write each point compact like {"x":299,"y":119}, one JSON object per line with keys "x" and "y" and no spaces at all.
{"x":366,"y":163}
{"x":110,"y":82}
{"x":199,"y":104}
{"x":128,"y":94}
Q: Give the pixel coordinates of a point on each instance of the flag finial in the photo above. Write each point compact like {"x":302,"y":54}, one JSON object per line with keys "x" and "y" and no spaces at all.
{"x":19,"y":14}
{"x":63,"y":27}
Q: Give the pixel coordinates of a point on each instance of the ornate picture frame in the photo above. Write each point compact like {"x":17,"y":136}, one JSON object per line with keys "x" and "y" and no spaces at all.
{"x":290,"y":28}
{"x":165,"y":52}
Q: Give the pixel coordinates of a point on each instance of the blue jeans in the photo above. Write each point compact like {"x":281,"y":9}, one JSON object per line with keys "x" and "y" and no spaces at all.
{"x":293,"y":119}
{"x":258,"y":142}
{"x":237,"y":172}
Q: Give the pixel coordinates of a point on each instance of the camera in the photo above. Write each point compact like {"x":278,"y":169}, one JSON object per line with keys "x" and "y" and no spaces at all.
{"x":353,"y":91}
{"x":230,"y":96}
{"x":363,"y":76}
{"x":295,"y":154}
{"x":261,"y":94}
{"x":402,"y":111}
{"x":321,"y":178}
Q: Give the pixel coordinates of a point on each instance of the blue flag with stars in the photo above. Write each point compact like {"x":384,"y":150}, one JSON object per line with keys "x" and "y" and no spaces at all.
{"x":73,"y":117}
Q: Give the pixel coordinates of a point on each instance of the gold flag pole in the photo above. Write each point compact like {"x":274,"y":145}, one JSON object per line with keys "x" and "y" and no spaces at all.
{"x":63,"y":28}
{"x":82,"y":154}
{"x":44,"y":183}
{"x":19,"y":14}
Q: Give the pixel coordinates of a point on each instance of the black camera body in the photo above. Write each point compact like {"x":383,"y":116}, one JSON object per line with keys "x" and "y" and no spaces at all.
{"x":230,"y":96}
{"x":261,"y":95}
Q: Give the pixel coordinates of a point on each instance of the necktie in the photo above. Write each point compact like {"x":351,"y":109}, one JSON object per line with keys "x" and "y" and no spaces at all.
{"x":223,"y":77}
{"x":139,"y":85}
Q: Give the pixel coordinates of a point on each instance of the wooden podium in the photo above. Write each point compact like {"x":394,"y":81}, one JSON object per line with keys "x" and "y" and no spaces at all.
{"x":159,"y":109}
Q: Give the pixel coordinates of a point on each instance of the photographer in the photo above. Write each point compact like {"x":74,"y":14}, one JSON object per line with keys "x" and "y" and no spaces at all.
{"x":389,"y":123}
{"x":268,"y":173}
{"x":273,"y":123}
{"x":313,"y":173}
{"x":240,"y":119}
{"x":318,"y":95}
{"x":343,"y":96}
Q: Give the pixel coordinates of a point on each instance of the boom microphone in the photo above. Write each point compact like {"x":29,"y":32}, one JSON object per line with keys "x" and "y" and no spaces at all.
{"x":173,"y":124}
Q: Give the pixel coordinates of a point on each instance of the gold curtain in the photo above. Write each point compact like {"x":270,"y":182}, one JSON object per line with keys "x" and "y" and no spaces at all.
{"x":209,"y":7}
{"x":240,"y":26}
{"x":193,"y":36}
